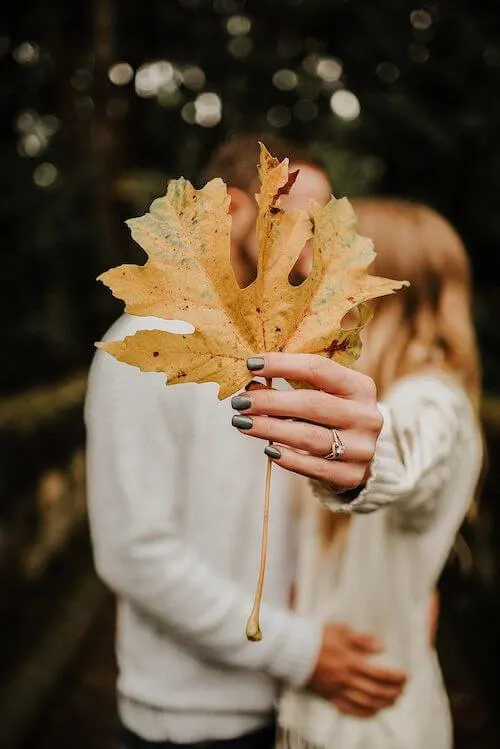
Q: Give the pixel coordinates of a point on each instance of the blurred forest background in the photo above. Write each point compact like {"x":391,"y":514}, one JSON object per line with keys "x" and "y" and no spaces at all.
{"x":100,"y":103}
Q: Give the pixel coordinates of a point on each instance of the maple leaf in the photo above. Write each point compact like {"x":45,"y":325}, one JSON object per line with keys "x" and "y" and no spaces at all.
{"x":188,"y":276}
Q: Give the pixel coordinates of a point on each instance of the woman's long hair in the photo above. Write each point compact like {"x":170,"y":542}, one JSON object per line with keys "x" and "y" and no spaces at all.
{"x":426,"y":326}
{"x":429,"y":324}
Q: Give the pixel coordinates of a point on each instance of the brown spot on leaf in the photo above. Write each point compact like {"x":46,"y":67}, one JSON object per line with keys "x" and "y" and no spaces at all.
{"x":336,"y":346}
{"x":156,"y":353}
{"x":278,"y":330}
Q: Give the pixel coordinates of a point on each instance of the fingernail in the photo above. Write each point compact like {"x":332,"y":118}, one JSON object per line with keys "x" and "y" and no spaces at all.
{"x":240,"y":402}
{"x":272,"y":452}
{"x":242,"y":422}
{"x":254,"y":363}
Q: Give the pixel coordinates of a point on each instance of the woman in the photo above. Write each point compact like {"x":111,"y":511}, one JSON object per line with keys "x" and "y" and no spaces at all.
{"x":376,"y":571}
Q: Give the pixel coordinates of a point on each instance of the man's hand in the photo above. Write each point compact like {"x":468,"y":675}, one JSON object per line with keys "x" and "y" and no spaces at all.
{"x":344,"y":675}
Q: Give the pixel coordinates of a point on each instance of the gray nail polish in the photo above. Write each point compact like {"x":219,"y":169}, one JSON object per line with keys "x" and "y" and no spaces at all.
{"x":242,"y":422}
{"x":240,"y":402}
{"x":254,"y":363}
{"x":272,"y":452}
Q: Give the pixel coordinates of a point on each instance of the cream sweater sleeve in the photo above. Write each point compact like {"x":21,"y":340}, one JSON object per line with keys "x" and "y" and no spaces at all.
{"x":428,"y":423}
{"x":137,"y":458}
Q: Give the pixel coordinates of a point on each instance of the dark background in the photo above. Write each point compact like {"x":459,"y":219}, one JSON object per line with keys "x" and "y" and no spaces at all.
{"x":101,"y":102}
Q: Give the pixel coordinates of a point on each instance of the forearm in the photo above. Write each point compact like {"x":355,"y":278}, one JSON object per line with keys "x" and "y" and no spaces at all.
{"x":207,"y":611}
{"x":414,"y":455}
{"x":387,"y":480}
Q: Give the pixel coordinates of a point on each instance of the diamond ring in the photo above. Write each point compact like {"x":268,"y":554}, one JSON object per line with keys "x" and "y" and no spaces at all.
{"x":338,"y":447}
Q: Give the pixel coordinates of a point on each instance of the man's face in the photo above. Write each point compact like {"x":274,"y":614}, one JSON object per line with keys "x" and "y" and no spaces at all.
{"x":311,"y":184}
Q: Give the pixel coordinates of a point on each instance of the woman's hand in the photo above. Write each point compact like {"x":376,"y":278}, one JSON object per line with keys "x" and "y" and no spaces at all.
{"x":300,"y":422}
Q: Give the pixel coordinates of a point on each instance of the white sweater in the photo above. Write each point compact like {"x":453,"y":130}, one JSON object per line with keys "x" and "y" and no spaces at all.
{"x":175,"y":499}
{"x":424,"y":473}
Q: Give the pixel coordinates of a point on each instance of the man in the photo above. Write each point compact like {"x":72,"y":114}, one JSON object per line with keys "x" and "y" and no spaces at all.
{"x":176,"y":520}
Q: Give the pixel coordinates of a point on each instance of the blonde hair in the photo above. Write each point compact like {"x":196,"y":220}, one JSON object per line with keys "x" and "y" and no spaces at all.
{"x":426,"y":326}
{"x":429,"y":324}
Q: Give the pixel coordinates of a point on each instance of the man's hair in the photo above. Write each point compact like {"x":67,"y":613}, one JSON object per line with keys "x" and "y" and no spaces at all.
{"x":235,"y":161}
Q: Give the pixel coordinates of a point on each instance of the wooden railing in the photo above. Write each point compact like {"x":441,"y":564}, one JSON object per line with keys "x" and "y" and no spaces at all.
{"x":42,"y":480}
{"x":30,"y":410}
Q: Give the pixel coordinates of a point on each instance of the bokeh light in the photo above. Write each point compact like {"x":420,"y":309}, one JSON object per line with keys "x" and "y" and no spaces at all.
{"x":310,"y":64}
{"x":169,"y":99}
{"x":329,"y":69}
{"x":388,"y":72}
{"x":305,"y":110}
{"x":279,"y":116}
{"x":285,"y":80}
{"x":31,"y":145}
{"x":345,"y":105}
{"x":188,"y":113}
{"x":238,"y":25}
{"x":154,"y":77}
{"x":240,"y":46}
{"x":193,"y":77}
{"x":208,"y":109}
{"x":35,"y":131}
{"x":420,"y":19}
{"x":121,"y":73}
{"x":45,"y":174}
{"x":26,"y":53}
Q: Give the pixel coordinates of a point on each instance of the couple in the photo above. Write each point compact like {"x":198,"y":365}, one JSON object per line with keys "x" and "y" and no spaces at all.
{"x":175,"y":502}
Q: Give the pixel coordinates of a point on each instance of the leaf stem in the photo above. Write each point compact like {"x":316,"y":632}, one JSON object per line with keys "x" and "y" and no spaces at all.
{"x":253,"y":631}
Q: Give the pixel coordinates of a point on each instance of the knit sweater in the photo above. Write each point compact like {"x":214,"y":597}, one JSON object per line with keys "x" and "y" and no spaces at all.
{"x":379,"y":578}
{"x":175,"y":499}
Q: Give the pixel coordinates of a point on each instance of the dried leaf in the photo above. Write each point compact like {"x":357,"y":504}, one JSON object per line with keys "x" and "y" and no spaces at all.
{"x":188,"y":276}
